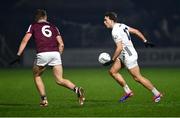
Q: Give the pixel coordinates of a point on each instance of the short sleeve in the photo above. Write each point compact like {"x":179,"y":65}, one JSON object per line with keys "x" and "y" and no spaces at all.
{"x":30,"y":29}
{"x":125,"y":26}
{"x":57,"y":33}
{"x":119,"y":32}
{"x":116,"y":36}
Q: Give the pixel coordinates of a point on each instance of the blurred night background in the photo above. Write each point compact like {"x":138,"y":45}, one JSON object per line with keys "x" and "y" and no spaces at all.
{"x":81,"y":25}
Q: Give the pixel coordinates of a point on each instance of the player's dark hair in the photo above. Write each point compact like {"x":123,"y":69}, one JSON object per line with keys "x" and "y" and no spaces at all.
{"x":40,"y":13}
{"x":112,"y":16}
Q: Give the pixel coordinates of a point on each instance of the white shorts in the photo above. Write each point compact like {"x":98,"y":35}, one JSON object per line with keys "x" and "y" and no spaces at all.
{"x":129,"y":58}
{"x":48,"y":58}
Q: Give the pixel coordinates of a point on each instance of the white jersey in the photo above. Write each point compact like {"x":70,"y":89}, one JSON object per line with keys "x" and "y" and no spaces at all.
{"x":120,"y":33}
{"x":128,"y":55}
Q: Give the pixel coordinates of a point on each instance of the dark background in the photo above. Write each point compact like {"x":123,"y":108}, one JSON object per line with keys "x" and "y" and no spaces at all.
{"x":81,"y":21}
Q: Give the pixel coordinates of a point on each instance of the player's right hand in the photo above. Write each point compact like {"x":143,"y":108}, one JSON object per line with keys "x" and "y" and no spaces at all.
{"x":148,"y":44}
{"x":108,"y":63}
{"x":15,"y":60}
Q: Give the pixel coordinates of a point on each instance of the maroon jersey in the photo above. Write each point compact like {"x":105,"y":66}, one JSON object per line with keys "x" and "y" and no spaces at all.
{"x":44,"y":34}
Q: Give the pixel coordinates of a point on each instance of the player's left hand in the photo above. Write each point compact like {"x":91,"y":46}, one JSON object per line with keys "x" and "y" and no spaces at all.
{"x":15,"y":60}
{"x":148,"y":44}
{"x":108,"y":63}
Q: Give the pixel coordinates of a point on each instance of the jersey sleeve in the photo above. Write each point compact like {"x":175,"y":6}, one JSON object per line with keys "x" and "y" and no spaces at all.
{"x":116,"y":36}
{"x":125,"y":26}
{"x":30,"y":29}
{"x":57,"y":33}
{"x":119,"y":33}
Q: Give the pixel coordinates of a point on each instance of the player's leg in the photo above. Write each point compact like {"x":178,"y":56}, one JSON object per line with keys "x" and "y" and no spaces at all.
{"x":114,"y":72}
{"x":135,"y":72}
{"x":37,"y":71}
{"x":58,"y":73}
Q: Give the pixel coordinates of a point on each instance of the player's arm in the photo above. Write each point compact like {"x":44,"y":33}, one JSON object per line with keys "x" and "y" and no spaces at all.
{"x":61,"y":43}
{"x":24,"y":43}
{"x":21,"y":48}
{"x":137,"y":33}
{"x":118,"y":50}
{"x":141,"y":36}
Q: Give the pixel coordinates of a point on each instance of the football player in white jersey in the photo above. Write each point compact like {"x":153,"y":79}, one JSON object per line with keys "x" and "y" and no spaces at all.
{"x":126,"y":55}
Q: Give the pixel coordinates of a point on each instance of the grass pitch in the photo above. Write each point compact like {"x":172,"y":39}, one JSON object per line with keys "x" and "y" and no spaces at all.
{"x":19,"y":97}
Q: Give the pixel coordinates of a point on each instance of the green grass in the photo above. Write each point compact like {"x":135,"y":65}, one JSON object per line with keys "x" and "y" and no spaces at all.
{"x":19,"y":97}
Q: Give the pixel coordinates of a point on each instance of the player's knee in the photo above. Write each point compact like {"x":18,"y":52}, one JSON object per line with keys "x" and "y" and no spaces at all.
{"x":112,"y":73}
{"x":136,"y":79}
{"x":60,"y":81}
{"x":35,"y":73}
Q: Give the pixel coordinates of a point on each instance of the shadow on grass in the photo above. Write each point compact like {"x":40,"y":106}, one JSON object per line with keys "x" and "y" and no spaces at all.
{"x":90,"y":103}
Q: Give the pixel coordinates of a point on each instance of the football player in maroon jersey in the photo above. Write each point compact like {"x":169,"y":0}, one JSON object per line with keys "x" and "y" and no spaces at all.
{"x":49,"y":47}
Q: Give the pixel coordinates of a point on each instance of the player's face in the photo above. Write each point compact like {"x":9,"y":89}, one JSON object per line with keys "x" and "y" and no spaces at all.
{"x":107,"y":22}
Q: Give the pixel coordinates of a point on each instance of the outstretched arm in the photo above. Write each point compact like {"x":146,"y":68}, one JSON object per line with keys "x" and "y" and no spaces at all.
{"x":141,"y":36}
{"x":24,"y":43}
{"x":137,"y":33}
{"x":21,"y":48}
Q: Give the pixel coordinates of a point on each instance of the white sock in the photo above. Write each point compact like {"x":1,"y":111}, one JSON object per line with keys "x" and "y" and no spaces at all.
{"x":75,"y":89}
{"x":127,"y":89}
{"x":155,"y":92}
